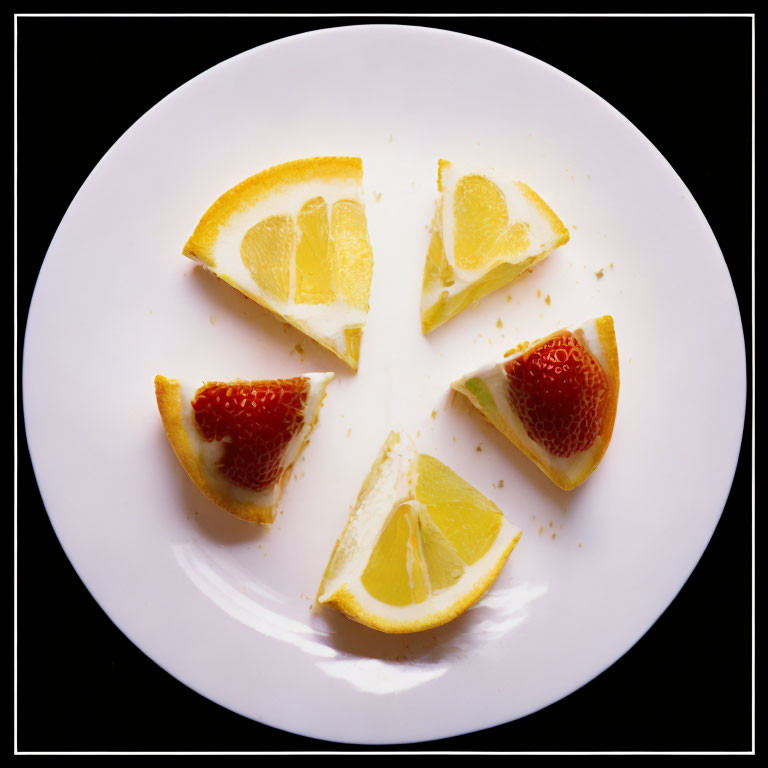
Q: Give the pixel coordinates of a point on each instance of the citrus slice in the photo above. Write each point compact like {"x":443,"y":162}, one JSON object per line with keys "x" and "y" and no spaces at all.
{"x":487,"y":230}
{"x":555,"y":399}
{"x":421,"y":546}
{"x":237,"y":440}
{"x":294,"y":238}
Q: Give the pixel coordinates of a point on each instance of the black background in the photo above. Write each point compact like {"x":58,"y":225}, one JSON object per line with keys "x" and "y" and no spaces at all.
{"x":685,"y":83}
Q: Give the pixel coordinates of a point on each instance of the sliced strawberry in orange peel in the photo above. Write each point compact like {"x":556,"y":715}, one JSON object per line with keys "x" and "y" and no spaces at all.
{"x":257,"y":419}
{"x":237,"y":440}
{"x":555,"y":399}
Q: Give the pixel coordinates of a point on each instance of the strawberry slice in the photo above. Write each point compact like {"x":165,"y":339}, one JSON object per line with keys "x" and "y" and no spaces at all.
{"x":559,"y":391}
{"x":255,"y":420}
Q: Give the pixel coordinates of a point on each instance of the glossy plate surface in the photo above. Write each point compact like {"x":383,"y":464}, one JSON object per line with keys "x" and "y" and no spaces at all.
{"x":227,"y":607}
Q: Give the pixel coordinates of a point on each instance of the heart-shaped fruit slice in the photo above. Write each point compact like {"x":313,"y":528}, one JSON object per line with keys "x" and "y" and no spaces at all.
{"x":488,"y":229}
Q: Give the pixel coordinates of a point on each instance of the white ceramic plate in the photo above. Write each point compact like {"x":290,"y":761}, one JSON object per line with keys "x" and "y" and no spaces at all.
{"x":226,"y":607}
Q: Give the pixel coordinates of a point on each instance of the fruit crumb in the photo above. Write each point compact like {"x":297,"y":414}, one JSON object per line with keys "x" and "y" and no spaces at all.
{"x":479,"y":447}
{"x":390,"y":138}
{"x":418,"y":433}
{"x":377,"y":196}
{"x":541,"y":530}
{"x":547,"y":300}
{"x":579,"y":545}
{"x":519,"y":348}
{"x":213,"y":319}
{"x":599,"y":274}
{"x":538,"y":294}
{"x":349,"y":431}
{"x":299,"y":350}
{"x":554,"y":535}
{"x":574,"y":226}
{"x":509,"y":298}
{"x":434,"y":414}
{"x":499,"y":324}
{"x":550,"y":523}
{"x":454,"y":438}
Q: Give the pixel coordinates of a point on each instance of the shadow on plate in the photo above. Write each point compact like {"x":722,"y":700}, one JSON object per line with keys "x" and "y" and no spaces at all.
{"x":210,"y":520}
{"x":277,"y":336}
{"x":489,"y":438}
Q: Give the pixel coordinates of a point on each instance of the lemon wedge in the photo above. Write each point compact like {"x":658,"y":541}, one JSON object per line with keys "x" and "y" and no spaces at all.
{"x":487,"y":230}
{"x":294,"y":238}
{"x":421,"y":546}
{"x":555,"y":399}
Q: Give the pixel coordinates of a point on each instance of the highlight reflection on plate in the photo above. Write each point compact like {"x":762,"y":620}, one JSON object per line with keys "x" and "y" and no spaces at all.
{"x":368,"y":660}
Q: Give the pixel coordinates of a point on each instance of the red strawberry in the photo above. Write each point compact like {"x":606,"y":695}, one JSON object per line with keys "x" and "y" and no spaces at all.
{"x":559,"y":391}
{"x":256,"y":420}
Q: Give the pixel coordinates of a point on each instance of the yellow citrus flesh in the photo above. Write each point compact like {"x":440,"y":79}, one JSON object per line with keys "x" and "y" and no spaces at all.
{"x":485,"y":235}
{"x":314,"y":277}
{"x":483,"y":232}
{"x":266,"y":250}
{"x":427,"y":558}
{"x":304,"y":251}
{"x":351,"y":253}
{"x":468,"y":520}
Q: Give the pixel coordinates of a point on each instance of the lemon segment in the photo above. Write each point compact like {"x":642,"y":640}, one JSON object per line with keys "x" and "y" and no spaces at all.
{"x":445,"y":565}
{"x":351,"y":253}
{"x":395,"y":572}
{"x":482,"y":231}
{"x":487,"y":231}
{"x":267,"y":250}
{"x":314,"y":277}
{"x":421,"y":546}
{"x":294,"y":238}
